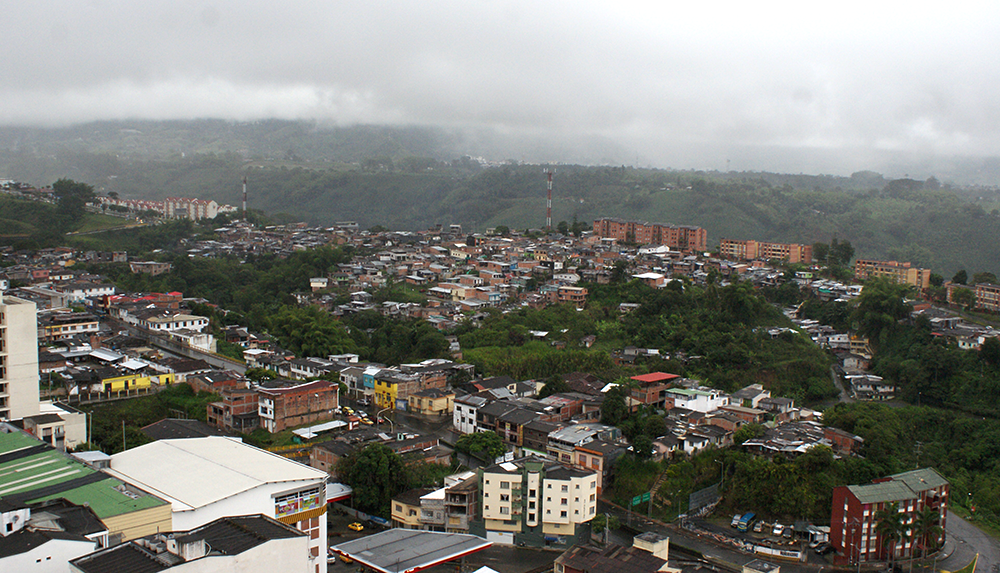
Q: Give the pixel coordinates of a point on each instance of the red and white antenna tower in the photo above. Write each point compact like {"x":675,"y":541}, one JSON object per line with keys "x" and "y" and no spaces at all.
{"x":244,"y":198}
{"x":548,"y":204}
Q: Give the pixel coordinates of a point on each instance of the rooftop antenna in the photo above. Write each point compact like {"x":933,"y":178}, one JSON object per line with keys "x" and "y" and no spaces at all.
{"x":548,"y":204}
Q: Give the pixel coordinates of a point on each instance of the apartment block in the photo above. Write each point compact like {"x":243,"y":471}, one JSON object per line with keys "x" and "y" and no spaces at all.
{"x":680,"y":237}
{"x":854,"y":518}
{"x":18,"y":359}
{"x":900,"y":272}
{"x":751,"y":250}
{"x":535,"y":502}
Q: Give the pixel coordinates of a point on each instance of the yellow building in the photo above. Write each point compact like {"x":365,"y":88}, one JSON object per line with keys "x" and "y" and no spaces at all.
{"x":385,"y":393}
{"x":894,"y":270}
{"x":432,"y":402}
{"x":116,"y":381}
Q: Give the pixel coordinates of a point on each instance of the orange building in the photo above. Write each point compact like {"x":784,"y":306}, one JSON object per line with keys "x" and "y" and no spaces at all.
{"x":750,"y":250}
{"x":680,"y":237}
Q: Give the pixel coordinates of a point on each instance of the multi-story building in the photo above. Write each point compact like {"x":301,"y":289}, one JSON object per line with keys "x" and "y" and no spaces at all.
{"x":214,"y":477}
{"x":194,"y":209}
{"x":897,"y":271}
{"x":18,"y":358}
{"x":988,"y":297}
{"x":750,"y":250}
{"x":652,"y":388}
{"x":535,"y":502}
{"x":854,"y":530}
{"x":680,"y":237}
{"x":54,"y":326}
{"x":237,"y":412}
{"x":288,"y":406}
{"x":703,"y":400}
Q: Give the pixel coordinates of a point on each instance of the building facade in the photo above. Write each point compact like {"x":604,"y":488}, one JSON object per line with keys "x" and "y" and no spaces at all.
{"x":854,"y":530}
{"x":894,"y":270}
{"x":535,"y":502}
{"x":680,"y":237}
{"x":18,"y":358}
{"x":750,"y":250}
{"x":285,"y":407}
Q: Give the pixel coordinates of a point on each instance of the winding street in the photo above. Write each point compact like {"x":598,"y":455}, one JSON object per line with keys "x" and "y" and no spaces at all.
{"x":963,"y":541}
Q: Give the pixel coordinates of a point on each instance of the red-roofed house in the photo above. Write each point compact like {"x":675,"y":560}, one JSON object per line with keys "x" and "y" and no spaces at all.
{"x":652,"y":388}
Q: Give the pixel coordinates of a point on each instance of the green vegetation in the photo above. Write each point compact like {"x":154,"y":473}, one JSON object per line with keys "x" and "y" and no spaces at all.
{"x":486,"y":446}
{"x":377,"y":474}
{"x":107,"y":419}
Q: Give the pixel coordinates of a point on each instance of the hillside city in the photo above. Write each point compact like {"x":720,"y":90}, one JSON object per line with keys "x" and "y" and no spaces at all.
{"x":580,"y":397}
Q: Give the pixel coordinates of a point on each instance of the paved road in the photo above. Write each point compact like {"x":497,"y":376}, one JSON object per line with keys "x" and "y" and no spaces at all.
{"x":963,"y":541}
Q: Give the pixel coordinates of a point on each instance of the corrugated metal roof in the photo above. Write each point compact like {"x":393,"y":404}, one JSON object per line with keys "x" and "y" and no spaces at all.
{"x":881,"y":492}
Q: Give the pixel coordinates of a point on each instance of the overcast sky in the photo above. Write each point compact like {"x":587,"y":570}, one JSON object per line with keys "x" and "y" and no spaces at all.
{"x":659,"y":77}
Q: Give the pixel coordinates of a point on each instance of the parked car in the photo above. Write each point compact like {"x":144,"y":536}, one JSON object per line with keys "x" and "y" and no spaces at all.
{"x":356,"y":526}
{"x":788,"y":532}
{"x":778,"y":528}
{"x":736,"y":520}
{"x":759,"y":527}
{"x":823,"y":548}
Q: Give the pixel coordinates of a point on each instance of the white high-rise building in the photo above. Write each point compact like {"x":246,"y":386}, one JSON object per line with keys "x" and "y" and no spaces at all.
{"x":18,"y":358}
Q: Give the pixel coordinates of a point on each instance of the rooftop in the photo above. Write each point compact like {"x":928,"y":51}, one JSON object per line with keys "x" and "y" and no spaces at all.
{"x":31,"y":471}
{"x":176,"y":469}
{"x":407,"y":550}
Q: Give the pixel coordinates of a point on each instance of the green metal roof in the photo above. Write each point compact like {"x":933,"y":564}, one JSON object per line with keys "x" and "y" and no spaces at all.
{"x":886,"y":491}
{"x":922,"y":479}
{"x":30,"y":473}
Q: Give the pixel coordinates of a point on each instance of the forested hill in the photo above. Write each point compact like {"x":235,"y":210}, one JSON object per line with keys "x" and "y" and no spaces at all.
{"x":402,"y":179}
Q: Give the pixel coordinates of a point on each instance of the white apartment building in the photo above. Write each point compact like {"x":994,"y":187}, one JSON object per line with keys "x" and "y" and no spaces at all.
{"x":18,"y":358}
{"x":206,"y":479}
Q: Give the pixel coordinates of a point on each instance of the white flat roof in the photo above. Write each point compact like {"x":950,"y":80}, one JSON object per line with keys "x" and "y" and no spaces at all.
{"x":195,"y":472}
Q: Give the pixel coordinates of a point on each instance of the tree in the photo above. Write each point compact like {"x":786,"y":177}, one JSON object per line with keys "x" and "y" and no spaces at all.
{"x":73,"y":196}
{"x":486,"y":446}
{"x":989,"y":351}
{"x":927,"y":528}
{"x":555,"y":385}
{"x":820,"y":252}
{"x":890,"y":527}
{"x":880,"y":307}
{"x":963,"y":296}
{"x":376,"y":474}
{"x":614,"y":408}
{"x":642,"y":447}
{"x":984,"y":277}
{"x":936,"y":280}
{"x":747,"y":432}
{"x":960,"y":278}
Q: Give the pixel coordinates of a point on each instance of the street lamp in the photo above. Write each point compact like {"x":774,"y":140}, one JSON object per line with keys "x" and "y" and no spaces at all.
{"x":378,"y":417}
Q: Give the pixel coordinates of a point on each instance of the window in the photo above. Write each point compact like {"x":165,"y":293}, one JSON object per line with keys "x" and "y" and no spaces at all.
{"x":505,"y":485}
{"x":399,"y":507}
{"x":486,"y":494}
{"x":562,"y":514}
{"x":593,"y":497}
{"x":531,"y":493}
{"x":564,"y":501}
{"x":565,"y":488}
{"x":591,"y":511}
{"x":531,"y":517}
{"x":577,"y":486}
{"x":531,"y":504}
{"x":504,"y":497}
{"x":593,"y":484}
{"x":504,"y":510}
{"x":576,"y":500}
{"x":486,"y":508}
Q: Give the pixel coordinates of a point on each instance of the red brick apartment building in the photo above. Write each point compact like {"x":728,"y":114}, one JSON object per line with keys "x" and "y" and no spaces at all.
{"x":897,"y":271}
{"x":750,"y":250}
{"x":680,"y":237}
{"x":853,"y":523}
{"x":289,"y":406}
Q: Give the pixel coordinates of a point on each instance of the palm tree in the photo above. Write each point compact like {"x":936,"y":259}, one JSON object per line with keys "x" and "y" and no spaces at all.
{"x":889,"y":525}
{"x":926,"y":527}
